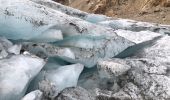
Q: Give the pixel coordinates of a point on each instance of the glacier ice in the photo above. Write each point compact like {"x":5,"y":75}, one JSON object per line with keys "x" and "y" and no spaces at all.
{"x":85,"y":49}
{"x":16,"y":74}
{"x":45,"y":50}
{"x":17,"y":23}
{"x":37,"y":22}
{"x":54,"y":63}
{"x":7,"y":48}
{"x":6,"y":43}
{"x":52,"y":82}
{"x":15,"y":49}
{"x":137,"y":37}
{"x":93,"y":18}
{"x":34,"y":95}
{"x":136,"y":26}
{"x":3,"y":52}
{"x":88,"y":49}
{"x":65,"y":37}
{"x":65,"y":9}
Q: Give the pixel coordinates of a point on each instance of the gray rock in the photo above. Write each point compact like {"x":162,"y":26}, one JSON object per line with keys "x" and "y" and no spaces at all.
{"x":150,"y":70}
{"x":112,"y":68}
{"x":128,"y":92}
{"x":76,"y":93}
{"x":147,"y":76}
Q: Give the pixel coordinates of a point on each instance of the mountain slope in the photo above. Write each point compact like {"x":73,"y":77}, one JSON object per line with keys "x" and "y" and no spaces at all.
{"x":144,"y":10}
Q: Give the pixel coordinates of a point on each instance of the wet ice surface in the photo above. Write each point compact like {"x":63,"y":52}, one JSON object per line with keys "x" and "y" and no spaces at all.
{"x":58,"y":52}
{"x":34,"y":95}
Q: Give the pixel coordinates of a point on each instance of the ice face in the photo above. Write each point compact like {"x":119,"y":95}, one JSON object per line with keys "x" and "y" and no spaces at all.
{"x":25,"y":23}
{"x":52,"y":82}
{"x":93,"y":18}
{"x":40,"y":23}
{"x":16,"y":73}
{"x":88,"y":49}
{"x":34,"y":95}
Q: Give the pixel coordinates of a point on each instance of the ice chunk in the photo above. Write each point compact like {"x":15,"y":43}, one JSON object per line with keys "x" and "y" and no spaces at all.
{"x":28,"y":20}
{"x":52,"y":82}
{"x":34,"y":95}
{"x":15,"y":49}
{"x":50,"y":35}
{"x":16,"y":73}
{"x":17,"y":24}
{"x":45,"y":50}
{"x":5,"y":42}
{"x":66,"y":52}
{"x":137,"y":37}
{"x":3,"y":52}
{"x":4,"y":45}
{"x":88,"y":49}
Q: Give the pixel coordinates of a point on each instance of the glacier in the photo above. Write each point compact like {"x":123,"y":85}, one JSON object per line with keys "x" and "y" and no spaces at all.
{"x":52,"y":51}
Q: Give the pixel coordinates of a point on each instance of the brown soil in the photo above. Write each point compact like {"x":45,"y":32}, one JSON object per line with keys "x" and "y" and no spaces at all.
{"x":144,"y":10}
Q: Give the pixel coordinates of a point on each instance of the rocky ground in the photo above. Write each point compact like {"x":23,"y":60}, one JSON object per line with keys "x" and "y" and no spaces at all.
{"x":157,"y":11}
